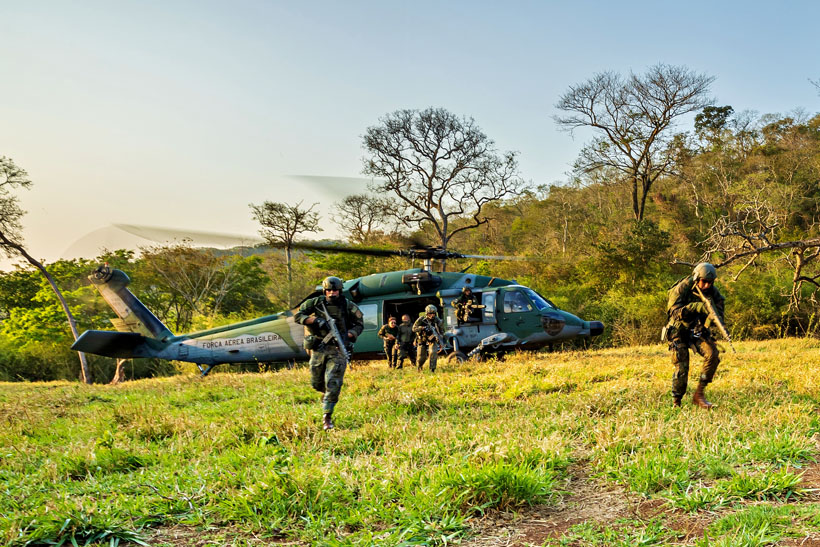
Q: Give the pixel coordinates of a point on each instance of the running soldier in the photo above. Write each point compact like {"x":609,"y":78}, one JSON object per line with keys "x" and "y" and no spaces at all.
{"x":405,"y":342}
{"x":428,"y":329}
{"x":688,"y":326}
{"x":390,"y":334}
{"x":328,"y":361}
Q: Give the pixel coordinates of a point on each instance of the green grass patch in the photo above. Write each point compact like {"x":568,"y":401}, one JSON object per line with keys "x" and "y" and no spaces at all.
{"x":416,"y":459}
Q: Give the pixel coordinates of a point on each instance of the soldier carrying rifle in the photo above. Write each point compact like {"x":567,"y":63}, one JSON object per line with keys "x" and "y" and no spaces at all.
{"x":333,"y":323}
{"x":390,"y":334}
{"x":428,"y":329}
{"x":694,"y":305}
{"x":465,"y":304}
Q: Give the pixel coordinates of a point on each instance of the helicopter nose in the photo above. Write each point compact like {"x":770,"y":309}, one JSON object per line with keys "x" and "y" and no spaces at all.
{"x":553,"y":323}
{"x":595,"y":328}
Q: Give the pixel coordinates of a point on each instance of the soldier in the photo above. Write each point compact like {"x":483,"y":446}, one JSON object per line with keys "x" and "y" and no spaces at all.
{"x":464,"y":304}
{"x":426,"y":328}
{"x":405,"y":342}
{"x":327,"y":361}
{"x":688,"y":325}
{"x":390,"y":334}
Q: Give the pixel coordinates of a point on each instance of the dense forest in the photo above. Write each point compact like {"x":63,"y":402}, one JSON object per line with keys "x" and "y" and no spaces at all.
{"x":740,"y":190}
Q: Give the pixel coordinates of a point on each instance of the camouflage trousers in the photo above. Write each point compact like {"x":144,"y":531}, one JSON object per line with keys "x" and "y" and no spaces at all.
{"x":706,"y":348}
{"x":405,"y":351}
{"x":327,"y":373}
{"x":391,"y":350}
{"x":423,"y":351}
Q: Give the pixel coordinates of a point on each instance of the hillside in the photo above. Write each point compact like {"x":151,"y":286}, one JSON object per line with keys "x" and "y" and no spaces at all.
{"x":555,"y":449}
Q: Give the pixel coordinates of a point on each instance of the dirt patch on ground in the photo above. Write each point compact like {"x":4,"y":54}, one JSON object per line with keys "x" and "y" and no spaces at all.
{"x":588,"y":501}
{"x":811,"y":480}
{"x":187,"y":536}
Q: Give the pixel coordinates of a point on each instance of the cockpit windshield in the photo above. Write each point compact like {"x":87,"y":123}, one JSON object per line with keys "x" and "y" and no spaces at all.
{"x":540,"y":302}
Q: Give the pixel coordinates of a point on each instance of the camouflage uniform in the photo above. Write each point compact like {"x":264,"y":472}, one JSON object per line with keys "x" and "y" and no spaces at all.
{"x":327,"y":363}
{"x":405,"y":343}
{"x":427,"y":343}
{"x":391,"y":346}
{"x":463,"y":304}
{"x":688,"y":326}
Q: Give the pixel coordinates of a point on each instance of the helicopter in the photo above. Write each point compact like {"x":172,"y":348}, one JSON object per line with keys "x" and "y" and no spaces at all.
{"x":510,"y":317}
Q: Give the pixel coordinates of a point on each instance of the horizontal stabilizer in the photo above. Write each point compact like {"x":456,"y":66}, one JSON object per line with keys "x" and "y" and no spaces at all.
{"x":119,"y":345}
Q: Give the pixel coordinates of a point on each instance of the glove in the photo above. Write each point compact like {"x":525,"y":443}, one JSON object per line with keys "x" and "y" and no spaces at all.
{"x":319,"y":324}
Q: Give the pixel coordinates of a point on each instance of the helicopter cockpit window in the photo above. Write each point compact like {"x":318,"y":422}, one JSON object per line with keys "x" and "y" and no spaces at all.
{"x":371,"y":315}
{"x":539,"y":301}
{"x":516,"y":302}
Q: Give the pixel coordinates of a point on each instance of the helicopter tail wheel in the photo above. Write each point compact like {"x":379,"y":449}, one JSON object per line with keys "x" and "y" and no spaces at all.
{"x":456,"y":357}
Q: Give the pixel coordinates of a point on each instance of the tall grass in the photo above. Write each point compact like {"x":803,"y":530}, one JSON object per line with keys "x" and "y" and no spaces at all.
{"x":416,"y":459}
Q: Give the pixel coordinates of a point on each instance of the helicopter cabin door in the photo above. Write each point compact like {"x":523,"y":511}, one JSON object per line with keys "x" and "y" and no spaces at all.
{"x":517,"y":314}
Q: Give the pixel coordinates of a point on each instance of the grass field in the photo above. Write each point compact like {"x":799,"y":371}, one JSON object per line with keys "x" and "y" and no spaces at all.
{"x":555,"y":449}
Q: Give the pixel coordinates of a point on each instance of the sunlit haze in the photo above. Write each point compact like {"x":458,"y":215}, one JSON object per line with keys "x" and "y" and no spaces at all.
{"x":180,"y":114}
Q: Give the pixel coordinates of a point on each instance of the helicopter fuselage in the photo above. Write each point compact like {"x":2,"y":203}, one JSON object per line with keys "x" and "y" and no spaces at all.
{"x":516,"y":316}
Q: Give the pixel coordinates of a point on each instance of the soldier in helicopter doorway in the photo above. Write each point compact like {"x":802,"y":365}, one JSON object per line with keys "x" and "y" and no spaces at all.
{"x":328,"y":361}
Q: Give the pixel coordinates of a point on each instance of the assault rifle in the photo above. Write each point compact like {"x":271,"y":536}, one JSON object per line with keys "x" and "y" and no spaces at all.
{"x":432,"y":331}
{"x":715,"y":317}
{"x":334,"y":334}
{"x":465,"y":310}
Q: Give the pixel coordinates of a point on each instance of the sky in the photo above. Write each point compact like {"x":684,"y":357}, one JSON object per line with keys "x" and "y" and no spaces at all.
{"x":179,"y":114}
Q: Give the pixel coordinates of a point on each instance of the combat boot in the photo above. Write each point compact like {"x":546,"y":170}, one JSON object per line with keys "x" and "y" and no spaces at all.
{"x":698,"y":398}
{"x":676,"y":401}
{"x":327,"y":423}
{"x":401,"y":364}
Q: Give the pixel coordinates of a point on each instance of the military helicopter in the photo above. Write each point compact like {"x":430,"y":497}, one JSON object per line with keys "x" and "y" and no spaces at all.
{"x":513,"y":317}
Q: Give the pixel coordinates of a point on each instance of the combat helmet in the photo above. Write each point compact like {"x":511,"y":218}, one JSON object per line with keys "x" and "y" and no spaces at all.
{"x":430,"y":309}
{"x":332,"y":283}
{"x":704,"y":271}
{"x":466,"y":288}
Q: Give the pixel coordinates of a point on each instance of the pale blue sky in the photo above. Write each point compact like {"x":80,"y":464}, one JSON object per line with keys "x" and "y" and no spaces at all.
{"x":181,"y":113}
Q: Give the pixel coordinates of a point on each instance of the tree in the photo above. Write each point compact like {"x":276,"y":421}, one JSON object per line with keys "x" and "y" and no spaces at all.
{"x":12,"y":177}
{"x":633,"y":117}
{"x":200,"y":282}
{"x":281,"y":223}
{"x":440,"y":167}
{"x":362,"y":217}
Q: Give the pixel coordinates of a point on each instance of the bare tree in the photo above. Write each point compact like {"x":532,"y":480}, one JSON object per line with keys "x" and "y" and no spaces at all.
{"x":362,"y":216}
{"x":12,"y":177}
{"x":440,"y":167}
{"x":281,"y":223}
{"x":197,"y":280}
{"x":633,"y":118}
{"x":755,"y":230}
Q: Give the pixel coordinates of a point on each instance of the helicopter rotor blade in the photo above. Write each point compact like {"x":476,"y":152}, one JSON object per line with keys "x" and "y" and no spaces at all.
{"x":328,"y":248}
{"x":162,"y":235}
{"x":501,"y":257}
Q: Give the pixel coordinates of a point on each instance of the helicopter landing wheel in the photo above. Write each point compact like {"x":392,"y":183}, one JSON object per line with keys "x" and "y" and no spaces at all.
{"x":456,"y":357}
